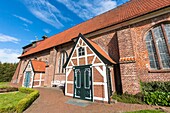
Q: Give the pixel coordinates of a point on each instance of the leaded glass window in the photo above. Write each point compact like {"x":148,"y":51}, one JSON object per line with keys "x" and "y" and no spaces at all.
{"x":151,"y":51}
{"x":62,"y":59}
{"x":157,"y":42}
{"x":81,"y":51}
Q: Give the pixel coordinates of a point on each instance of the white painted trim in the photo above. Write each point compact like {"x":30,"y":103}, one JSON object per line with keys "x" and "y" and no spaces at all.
{"x":105,"y":86}
{"x":92,"y":82}
{"x":100,"y":98}
{"x":98,"y":64}
{"x":72,"y":62}
{"x":37,"y":86}
{"x":99,"y":83}
{"x":69,"y":94}
{"x":69,"y":67}
{"x":66,"y":82}
{"x":68,"y":72}
{"x":40,"y":79}
{"x":100,"y":71}
{"x":77,"y":57}
{"x":86,"y":61}
{"x":94,"y":59}
{"x":70,"y":82}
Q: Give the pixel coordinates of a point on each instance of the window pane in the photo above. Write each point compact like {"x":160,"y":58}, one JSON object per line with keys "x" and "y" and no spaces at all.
{"x":151,"y":51}
{"x":81,"y":51}
{"x":87,"y":78}
{"x":162,"y":48}
{"x":167,"y":30}
{"x":62,"y":60}
{"x":78,"y":78}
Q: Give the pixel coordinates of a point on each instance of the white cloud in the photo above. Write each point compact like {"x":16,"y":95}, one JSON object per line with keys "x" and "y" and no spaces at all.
{"x":87,"y":9}
{"x":46,"y":12}
{"x":47,"y":30}
{"x":26,"y":29}
{"x":23,"y":19}
{"x":9,"y":55}
{"x":7,"y":38}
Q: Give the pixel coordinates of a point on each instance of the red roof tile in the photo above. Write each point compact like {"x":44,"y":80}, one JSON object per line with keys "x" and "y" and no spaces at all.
{"x":101,"y":51}
{"x":129,"y":10}
{"x":38,"y":66}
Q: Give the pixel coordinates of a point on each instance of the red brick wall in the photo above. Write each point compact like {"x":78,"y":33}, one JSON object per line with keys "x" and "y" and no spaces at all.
{"x":70,"y":88}
{"x":131,"y":42}
{"x":99,"y":91}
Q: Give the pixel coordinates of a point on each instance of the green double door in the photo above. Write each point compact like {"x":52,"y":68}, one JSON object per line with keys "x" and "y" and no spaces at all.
{"x":83,"y":82}
{"x":27,"y":79}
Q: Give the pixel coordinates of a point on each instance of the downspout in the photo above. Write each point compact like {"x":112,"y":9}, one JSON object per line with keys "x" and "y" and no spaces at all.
{"x":55,"y":62}
{"x":108,"y":85}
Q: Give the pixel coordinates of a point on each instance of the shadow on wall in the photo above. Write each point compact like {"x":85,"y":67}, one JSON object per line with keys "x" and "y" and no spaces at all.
{"x":113,"y":51}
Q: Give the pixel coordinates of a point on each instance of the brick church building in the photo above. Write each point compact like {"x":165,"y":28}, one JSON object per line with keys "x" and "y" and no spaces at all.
{"x":109,"y":53}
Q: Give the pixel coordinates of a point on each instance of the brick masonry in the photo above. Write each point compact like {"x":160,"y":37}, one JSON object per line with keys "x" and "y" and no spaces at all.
{"x":123,"y":43}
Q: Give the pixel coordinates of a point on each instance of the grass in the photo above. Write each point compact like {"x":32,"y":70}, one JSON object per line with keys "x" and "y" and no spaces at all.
{"x":11,"y":99}
{"x":146,"y":111}
{"x":4,"y":84}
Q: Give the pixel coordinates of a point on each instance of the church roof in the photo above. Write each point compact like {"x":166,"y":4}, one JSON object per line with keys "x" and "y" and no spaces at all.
{"x":38,"y":66}
{"x":127,"y":11}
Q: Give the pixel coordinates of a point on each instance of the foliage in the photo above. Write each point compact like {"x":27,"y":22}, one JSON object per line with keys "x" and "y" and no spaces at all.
{"x":8,"y":101}
{"x":7,"y":70}
{"x":26,"y":102}
{"x":4,"y":84}
{"x":128,"y":98}
{"x":26,"y":90}
{"x":8,"y":89}
{"x":157,"y":98}
{"x":155,"y":86}
{"x":146,"y":111}
{"x":18,"y":101}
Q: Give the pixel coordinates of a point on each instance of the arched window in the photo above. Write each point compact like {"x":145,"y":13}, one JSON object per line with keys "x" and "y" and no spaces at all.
{"x":158,"y":45}
{"x":62,"y":60}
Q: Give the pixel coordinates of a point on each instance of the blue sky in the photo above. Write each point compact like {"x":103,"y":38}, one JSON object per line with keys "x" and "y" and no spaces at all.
{"x":21,"y":21}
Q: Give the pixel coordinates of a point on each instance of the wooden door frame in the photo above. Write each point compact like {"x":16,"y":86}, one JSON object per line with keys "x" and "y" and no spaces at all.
{"x":78,"y":67}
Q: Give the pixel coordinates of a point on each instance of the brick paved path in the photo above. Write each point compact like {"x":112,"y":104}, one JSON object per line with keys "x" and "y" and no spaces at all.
{"x":53,"y":101}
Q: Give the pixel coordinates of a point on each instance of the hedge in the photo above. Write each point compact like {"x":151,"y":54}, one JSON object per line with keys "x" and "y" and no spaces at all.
{"x":26,"y":102}
{"x":23,"y":103}
{"x":157,"y":98}
{"x":155,"y":86}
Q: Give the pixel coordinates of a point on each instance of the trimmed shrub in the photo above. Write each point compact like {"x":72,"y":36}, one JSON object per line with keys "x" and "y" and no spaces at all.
{"x":8,"y":89}
{"x":9,"y":109}
{"x":128,"y":98}
{"x":26,"y":102}
{"x":26,"y":90}
{"x":155,"y":86}
{"x":157,"y":98}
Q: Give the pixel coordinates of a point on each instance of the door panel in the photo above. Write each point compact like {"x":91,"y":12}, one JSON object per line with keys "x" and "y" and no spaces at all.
{"x":27,"y":79}
{"x":83,"y":82}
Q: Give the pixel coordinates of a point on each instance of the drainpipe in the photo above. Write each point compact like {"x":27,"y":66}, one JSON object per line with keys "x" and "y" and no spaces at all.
{"x":108,"y":85}
{"x":55,"y":62}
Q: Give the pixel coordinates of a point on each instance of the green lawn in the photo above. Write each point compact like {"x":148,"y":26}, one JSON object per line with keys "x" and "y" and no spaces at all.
{"x":10,"y":99}
{"x":4,"y":84}
{"x":146,"y":111}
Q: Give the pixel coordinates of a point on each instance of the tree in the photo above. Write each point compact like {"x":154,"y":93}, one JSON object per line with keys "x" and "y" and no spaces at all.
{"x":7,"y":70}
